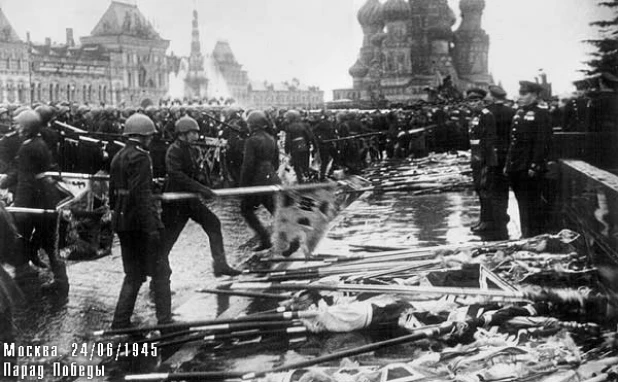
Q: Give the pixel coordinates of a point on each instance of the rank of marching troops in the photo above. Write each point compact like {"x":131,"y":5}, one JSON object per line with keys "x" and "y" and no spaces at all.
{"x":509,"y":146}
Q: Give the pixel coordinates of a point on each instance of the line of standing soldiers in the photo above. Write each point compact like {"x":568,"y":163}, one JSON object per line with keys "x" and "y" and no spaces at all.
{"x":510,"y":148}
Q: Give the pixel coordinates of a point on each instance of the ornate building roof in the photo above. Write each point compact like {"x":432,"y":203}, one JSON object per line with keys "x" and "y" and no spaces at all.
{"x":371,"y":13}
{"x":223,"y":52}
{"x":396,"y":10}
{"x":7,"y":33}
{"x":124,"y":19}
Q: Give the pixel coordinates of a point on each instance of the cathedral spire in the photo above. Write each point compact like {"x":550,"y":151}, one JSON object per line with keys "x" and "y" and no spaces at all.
{"x":196,"y":60}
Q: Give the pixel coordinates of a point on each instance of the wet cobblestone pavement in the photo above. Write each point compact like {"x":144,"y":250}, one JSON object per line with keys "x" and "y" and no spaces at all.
{"x":392,"y":219}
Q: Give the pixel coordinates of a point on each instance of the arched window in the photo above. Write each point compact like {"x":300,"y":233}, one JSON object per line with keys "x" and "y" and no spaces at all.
{"x":89,"y":93}
{"x":85,"y":93}
{"x":51,"y":92}
{"x":69,"y":93}
{"x":104,"y":93}
{"x":57,"y":92}
{"x":38,"y":92}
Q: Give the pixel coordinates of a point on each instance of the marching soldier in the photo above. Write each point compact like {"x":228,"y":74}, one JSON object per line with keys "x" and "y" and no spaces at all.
{"x":482,"y":134}
{"x":235,"y":131}
{"x":33,"y":191}
{"x":259,"y":168}
{"x":325,"y":131}
{"x":184,"y":175}
{"x":298,"y":138}
{"x":499,"y":187}
{"x":526,"y":161}
{"x":137,"y":223}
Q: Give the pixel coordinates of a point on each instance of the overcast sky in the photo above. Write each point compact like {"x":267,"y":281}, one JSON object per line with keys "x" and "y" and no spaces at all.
{"x":318,"y":40}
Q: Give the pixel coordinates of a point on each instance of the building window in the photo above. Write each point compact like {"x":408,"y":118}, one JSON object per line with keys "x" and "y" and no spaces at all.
{"x":141,"y":79}
{"x":85,"y":93}
{"x":38,"y":92}
{"x":57,"y":92}
{"x":104,"y":94}
{"x":130,"y":80}
{"x":89,"y":93}
{"x":8,"y":63}
{"x":69,"y":93}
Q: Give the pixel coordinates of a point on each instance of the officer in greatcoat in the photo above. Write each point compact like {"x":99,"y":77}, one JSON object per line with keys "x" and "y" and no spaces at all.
{"x":298,"y":141}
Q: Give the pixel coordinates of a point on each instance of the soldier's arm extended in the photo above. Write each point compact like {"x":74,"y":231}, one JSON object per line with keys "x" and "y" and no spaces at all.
{"x":180,"y":180}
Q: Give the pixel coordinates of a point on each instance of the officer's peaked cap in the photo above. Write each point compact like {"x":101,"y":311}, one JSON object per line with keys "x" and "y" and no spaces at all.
{"x":530,"y":87}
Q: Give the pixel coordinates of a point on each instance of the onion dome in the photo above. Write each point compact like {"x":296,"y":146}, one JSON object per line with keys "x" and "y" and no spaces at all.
{"x":396,"y":10}
{"x":371,"y":13}
{"x":358,"y":70}
{"x":472,"y":5}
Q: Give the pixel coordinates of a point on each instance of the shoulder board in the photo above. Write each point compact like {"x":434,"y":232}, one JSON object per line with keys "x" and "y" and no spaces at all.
{"x":27,"y":141}
{"x":543,"y":106}
{"x":11,"y":134}
{"x":486,"y":111}
{"x":141,"y":150}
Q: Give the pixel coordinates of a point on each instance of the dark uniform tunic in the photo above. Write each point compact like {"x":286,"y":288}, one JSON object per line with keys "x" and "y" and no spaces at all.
{"x":235,"y":133}
{"x":32,"y":191}
{"x":185,"y":175}
{"x":526,"y":164}
{"x":325,"y":131}
{"x":298,"y":138}
{"x":499,"y":182}
{"x":259,"y":168}
{"x":482,"y":135}
{"x":138,"y":225}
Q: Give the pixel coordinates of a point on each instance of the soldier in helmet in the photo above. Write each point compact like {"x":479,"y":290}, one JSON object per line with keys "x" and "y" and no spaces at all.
{"x":33,"y":191}
{"x":298,"y":141}
{"x":259,"y":168}
{"x":526,"y":161}
{"x":184,"y":175}
{"x":50,"y":135}
{"x":137,"y":223}
{"x":235,"y":131}
{"x":5,"y":121}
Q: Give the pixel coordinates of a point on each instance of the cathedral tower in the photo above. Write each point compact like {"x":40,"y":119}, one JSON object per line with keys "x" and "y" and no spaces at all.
{"x":196,"y":81}
{"x":472,"y":44}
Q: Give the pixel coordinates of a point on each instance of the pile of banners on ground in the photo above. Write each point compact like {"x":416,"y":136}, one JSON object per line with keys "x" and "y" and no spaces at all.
{"x":528,"y":310}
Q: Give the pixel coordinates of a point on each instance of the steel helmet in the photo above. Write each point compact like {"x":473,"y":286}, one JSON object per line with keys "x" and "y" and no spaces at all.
{"x":139,"y":124}
{"x":46,"y":113}
{"x":292,"y":115}
{"x":257,"y":118}
{"x":186,"y":124}
{"x":29,"y":120}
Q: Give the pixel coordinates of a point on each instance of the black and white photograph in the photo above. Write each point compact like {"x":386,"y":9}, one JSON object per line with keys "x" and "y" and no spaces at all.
{"x":309,"y":191}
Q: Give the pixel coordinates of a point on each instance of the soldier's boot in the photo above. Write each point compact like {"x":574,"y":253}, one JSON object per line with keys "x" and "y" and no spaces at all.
{"x":126,"y":304}
{"x":60,"y":284}
{"x":220,"y":266}
{"x":163,"y":301}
